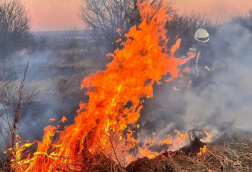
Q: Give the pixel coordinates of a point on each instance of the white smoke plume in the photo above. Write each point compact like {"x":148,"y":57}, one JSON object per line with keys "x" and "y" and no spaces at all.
{"x":223,"y":104}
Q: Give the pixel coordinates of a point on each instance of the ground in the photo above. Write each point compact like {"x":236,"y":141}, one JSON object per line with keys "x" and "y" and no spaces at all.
{"x":231,"y":152}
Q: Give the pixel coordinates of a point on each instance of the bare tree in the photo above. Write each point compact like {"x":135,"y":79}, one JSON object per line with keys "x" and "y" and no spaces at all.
{"x":105,"y":17}
{"x":14,"y":27}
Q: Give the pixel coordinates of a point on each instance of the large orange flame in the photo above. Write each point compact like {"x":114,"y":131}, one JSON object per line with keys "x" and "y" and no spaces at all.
{"x":127,"y":79}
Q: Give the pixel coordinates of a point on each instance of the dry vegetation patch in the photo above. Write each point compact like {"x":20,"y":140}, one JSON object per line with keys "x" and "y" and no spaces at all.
{"x":231,"y":152}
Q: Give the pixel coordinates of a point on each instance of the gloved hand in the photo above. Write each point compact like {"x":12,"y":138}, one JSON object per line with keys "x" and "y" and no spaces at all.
{"x":204,"y":72}
{"x":208,"y":71}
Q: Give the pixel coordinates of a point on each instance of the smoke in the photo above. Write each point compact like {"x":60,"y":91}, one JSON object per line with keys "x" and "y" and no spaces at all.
{"x":226,"y":102}
{"x":53,"y":81}
{"x":223,"y":103}
{"x":230,"y":95}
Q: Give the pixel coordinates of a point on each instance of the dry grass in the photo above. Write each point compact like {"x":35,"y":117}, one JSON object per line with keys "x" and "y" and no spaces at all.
{"x":232,"y":152}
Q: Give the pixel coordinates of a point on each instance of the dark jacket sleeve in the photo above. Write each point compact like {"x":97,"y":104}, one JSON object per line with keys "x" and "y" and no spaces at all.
{"x":209,"y":59}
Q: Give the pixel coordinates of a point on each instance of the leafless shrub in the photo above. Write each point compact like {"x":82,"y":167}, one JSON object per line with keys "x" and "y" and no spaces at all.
{"x":244,"y":20}
{"x":11,"y":113}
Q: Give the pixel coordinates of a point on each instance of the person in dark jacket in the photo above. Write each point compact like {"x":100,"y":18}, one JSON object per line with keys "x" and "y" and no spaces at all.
{"x":201,"y":65}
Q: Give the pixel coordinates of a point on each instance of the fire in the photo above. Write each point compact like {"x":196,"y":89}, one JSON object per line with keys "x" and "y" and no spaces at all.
{"x":103,"y":121}
{"x":208,"y":137}
{"x":145,"y":150}
{"x":63,"y":119}
{"x":202,"y":150}
{"x":206,"y":133}
{"x":147,"y":153}
{"x":175,"y":88}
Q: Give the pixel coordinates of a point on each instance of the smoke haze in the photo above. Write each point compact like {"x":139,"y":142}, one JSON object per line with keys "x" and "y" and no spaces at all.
{"x":223,"y":104}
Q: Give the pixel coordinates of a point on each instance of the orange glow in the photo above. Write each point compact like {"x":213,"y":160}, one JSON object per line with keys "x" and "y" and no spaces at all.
{"x":62,"y":15}
{"x":202,"y":150}
{"x":103,"y":121}
{"x":167,"y":141}
{"x":215,"y":9}
{"x":63,"y":119}
{"x":206,"y":133}
{"x":48,"y":15}
{"x":144,"y":151}
{"x":175,"y":88}
{"x":147,"y":153}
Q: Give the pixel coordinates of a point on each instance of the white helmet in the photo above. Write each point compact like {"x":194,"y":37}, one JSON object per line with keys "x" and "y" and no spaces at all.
{"x":201,"y":35}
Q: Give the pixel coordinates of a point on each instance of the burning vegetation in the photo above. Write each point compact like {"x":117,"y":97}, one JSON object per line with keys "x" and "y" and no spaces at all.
{"x":103,"y":135}
{"x":115,"y":99}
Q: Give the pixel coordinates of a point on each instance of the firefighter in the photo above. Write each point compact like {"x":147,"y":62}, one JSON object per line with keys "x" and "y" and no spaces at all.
{"x":201,"y":65}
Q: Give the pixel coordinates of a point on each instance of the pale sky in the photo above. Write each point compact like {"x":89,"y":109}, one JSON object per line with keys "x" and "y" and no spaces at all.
{"x":63,"y":14}
{"x":215,"y":9}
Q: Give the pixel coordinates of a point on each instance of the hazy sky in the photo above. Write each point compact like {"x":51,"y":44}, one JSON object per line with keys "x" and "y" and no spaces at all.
{"x":62,"y":14}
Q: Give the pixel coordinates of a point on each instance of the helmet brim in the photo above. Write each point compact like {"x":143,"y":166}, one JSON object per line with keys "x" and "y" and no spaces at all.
{"x":202,"y":39}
